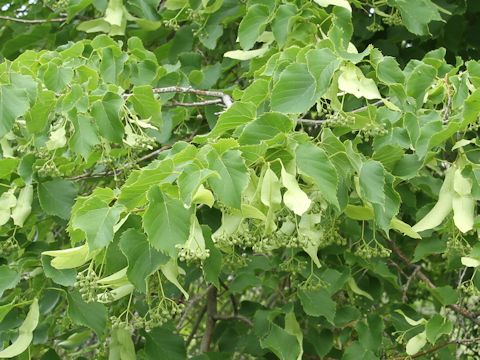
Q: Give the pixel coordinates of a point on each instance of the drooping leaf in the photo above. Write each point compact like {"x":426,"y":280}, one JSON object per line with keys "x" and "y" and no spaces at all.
{"x":143,"y":260}
{"x":295,"y":90}
{"x":233,"y":177}
{"x":92,"y":315}
{"x":313,"y":162}
{"x":57,"y":197}
{"x":166,"y":221}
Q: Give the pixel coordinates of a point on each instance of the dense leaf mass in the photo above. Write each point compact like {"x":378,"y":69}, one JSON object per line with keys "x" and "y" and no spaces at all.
{"x":235,"y":179}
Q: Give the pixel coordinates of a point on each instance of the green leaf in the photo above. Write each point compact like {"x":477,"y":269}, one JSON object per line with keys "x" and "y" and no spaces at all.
{"x":295,"y":90}
{"x":56,"y":78}
{"x":280,"y":25}
{"x":436,"y":327}
{"x":389,"y":72}
{"x":265,"y":127}
{"x":417,"y":15}
{"x":92,"y":315}
{"x":238,"y":114}
{"x":446,"y":295}
{"x":9,"y":278}
{"x":233,"y":178}
{"x":57,"y":197}
{"x":166,"y":221}
{"x":212,"y":265}
{"x":112,"y":64}
{"x":318,"y":303}
{"x":163,"y":341}
{"x":133,"y":192}
{"x":37,"y":117}
{"x":384,"y":214}
{"x":145,"y":104}
{"x":25,"y":333}
{"x":171,"y":271}
{"x":13,"y":103}
{"x":97,"y":220}
{"x":7,"y":167}
{"x":313,"y":162}
{"x":322,"y":64}
{"x":143,"y":260}
{"x":372,"y":182}
{"x":419,"y":82}
{"x":84,"y":137}
{"x":370,"y":332}
{"x":252,"y":25}
{"x":256,"y":92}
{"x":189,"y":181}
{"x":107,"y":115}
{"x":283,"y":344}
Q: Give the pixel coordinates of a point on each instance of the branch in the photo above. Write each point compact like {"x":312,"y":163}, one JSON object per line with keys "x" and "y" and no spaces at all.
{"x":224,"y":98}
{"x":211,"y":313}
{"x":32,"y":21}
{"x":421,"y":275}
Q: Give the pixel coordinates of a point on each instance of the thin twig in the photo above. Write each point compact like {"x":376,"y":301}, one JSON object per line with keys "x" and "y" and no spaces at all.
{"x":196,"y":103}
{"x":318,"y":121}
{"x":32,"y":21}
{"x":234,"y":317}
{"x":409,"y":281}
{"x":232,"y":297}
{"x":438,"y":347}
{"x":210,"y":323}
{"x":191,"y":304}
{"x":127,"y":166}
{"x":421,"y":275}
{"x":195,"y":326}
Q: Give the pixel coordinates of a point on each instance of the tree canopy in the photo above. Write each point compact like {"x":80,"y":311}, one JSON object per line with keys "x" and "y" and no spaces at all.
{"x":239,"y":179}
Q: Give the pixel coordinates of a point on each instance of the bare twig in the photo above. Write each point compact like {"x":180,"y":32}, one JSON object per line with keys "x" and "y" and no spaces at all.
{"x":32,"y":21}
{"x":210,"y":323}
{"x":421,"y":275}
{"x":225,"y":98}
{"x":196,"y":103}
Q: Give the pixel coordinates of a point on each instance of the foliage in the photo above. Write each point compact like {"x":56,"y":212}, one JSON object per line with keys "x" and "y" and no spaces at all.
{"x":322,"y":204}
